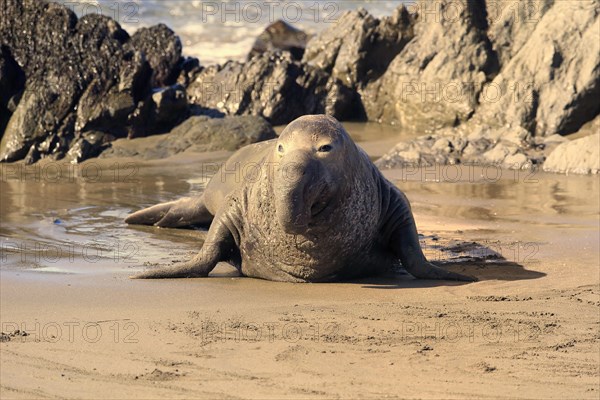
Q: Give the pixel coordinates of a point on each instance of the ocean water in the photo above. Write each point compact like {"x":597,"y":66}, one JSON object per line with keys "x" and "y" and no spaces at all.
{"x":217,"y":31}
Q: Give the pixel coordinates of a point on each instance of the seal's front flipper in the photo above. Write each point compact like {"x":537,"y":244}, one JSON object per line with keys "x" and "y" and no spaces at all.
{"x":405,"y":244}
{"x":184,"y":212}
{"x":217,"y":247}
{"x":191,"y":269}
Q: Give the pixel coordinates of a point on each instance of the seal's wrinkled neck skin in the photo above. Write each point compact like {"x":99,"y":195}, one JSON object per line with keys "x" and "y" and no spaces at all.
{"x":310,"y":152}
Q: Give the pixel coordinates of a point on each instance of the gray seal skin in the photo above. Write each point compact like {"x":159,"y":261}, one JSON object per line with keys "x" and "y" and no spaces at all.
{"x":309,"y":207}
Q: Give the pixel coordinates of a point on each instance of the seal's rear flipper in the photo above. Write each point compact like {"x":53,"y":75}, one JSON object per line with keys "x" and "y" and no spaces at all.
{"x":150,"y":215}
{"x":184,"y":212}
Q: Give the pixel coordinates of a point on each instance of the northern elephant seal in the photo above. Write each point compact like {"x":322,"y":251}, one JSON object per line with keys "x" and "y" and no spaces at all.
{"x":316,"y":209}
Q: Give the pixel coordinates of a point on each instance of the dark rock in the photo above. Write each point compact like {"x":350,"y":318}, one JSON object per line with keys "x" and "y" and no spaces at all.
{"x":359,"y":47}
{"x":88,"y":145}
{"x":324,"y":95}
{"x":12,"y":83}
{"x":280,"y":36}
{"x":207,"y":112}
{"x":21,"y":130}
{"x":436,"y":79}
{"x":158,"y":113}
{"x":190,"y":67}
{"x":34,"y":31}
{"x":171,"y":106}
{"x":271,"y":85}
{"x":162,"y":49}
{"x":33,"y":155}
{"x":196,"y":134}
{"x":82,"y":75}
{"x":107,"y":103}
{"x":80,"y":150}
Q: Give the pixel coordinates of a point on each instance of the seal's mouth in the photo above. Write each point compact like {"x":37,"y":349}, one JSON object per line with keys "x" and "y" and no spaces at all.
{"x":321,"y":204}
{"x":318,"y":209}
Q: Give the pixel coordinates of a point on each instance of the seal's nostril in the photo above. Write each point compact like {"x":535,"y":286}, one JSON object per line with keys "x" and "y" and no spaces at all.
{"x":280,"y":148}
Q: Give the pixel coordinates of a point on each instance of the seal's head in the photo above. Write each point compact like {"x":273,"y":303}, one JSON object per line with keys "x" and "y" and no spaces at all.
{"x":313,"y":154}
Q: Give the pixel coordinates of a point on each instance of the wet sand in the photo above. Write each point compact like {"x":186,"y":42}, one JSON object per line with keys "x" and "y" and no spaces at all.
{"x":529,"y":329}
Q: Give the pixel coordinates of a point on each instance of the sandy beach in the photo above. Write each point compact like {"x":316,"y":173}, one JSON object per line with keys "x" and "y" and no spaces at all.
{"x":530,"y":328}
{"x":485,"y":114}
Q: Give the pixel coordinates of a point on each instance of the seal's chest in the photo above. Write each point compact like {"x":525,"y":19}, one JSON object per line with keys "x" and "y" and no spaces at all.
{"x":331,"y":243}
{"x":270,"y":240}
{"x":289,"y":257}
{"x":325,"y":248}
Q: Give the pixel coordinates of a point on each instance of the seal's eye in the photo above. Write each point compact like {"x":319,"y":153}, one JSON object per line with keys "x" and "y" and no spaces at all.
{"x":280,"y":148}
{"x":326,"y":148}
